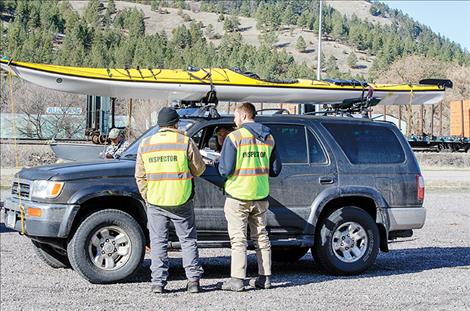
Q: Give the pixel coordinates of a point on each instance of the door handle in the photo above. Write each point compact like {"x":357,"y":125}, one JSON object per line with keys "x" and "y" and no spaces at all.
{"x":326,"y":180}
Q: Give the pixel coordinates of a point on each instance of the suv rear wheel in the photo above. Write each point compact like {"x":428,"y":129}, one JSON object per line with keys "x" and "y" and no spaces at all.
{"x":50,"y":255}
{"x":107,"y":247}
{"x":347,"y":241}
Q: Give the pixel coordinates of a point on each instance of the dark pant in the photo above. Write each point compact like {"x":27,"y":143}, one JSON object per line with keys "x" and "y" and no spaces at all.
{"x":158,"y":224}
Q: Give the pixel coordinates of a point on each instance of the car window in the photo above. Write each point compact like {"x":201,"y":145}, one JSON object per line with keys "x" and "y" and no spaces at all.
{"x":317,"y":155}
{"x":198,"y":136}
{"x":367,"y":143}
{"x":290,"y":142}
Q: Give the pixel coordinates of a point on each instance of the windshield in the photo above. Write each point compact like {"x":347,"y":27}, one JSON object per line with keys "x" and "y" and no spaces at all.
{"x":131,"y":151}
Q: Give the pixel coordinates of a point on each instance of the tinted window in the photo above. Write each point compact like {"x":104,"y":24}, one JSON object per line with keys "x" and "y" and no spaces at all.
{"x":316,"y":152}
{"x":366,"y":143}
{"x":290,"y":142}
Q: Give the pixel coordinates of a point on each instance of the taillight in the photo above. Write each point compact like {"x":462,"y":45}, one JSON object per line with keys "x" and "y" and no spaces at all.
{"x":420,"y":187}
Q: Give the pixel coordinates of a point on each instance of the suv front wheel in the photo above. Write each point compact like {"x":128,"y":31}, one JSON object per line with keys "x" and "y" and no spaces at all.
{"x":347,"y":241}
{"x":108,"y":246}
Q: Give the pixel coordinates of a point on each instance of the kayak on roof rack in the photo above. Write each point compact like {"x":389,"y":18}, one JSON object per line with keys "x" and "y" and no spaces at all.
{"x":194,"y":84}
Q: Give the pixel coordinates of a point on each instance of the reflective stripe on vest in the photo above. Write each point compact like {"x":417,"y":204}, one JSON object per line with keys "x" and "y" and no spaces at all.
{"x":165,"y":156}
{"x":250,"y":180}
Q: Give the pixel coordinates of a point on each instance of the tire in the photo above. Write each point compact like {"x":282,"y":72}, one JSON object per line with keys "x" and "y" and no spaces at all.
{"x":51,"y":256}
{"x":334,"y":241}
{"x":288,"y":254}
{"x":107,"y":247}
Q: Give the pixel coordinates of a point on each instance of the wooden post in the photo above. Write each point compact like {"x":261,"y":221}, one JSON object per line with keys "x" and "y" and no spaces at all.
{"x":385,"y":112}
{"x":461,"y":118}
{"x":440,"y":119}
{"x":129,"y":116}
{"x":113,"y":111}
{"x":432,"y":120}
{"x":399,"y":117}
{"x":422,"y":120}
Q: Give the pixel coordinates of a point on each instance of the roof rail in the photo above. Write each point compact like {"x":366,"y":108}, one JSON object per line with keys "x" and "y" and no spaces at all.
{"x":276,"y":110}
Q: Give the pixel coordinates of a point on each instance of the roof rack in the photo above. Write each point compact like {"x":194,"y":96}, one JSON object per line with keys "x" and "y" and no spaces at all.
{"x":348,"y":107}
{"x":199,"y":109}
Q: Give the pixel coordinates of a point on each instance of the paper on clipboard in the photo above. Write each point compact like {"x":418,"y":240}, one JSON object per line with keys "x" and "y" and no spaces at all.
{"x":211,"y":155}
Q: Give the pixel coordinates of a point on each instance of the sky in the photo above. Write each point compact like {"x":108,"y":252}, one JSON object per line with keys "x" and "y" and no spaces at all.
{"x":449,"y":18}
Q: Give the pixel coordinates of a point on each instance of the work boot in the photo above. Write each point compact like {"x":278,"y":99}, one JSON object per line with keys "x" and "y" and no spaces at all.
{"x":158,"y":289}
{"x":234,"y":285}
{"x":193,"y":287}
{"x":261,"y":281}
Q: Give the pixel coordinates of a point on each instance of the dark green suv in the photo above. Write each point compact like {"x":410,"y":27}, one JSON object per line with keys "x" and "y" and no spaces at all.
{"x":347,"y":186}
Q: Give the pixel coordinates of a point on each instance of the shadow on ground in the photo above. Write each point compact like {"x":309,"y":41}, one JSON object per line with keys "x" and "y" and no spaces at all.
{"x":4,"y":229}
{"x":305,"y":271}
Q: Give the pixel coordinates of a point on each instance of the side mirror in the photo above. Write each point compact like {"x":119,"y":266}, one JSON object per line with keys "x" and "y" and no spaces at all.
{"x":212,"y":143}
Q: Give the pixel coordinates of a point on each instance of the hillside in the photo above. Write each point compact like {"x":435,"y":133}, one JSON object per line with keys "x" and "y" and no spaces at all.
{"x":155,"y":23}
{"x":273,"y":38}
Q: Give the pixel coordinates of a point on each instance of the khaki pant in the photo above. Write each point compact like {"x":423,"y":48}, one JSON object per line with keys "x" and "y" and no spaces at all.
{"x":239,"y":215}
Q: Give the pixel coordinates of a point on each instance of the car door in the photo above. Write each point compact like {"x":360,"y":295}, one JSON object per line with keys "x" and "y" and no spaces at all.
{"x":209,"y":196}
{"x":307,"y":170}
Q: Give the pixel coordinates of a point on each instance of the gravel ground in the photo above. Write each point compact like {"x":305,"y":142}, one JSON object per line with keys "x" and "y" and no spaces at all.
{"x":430,"y":271}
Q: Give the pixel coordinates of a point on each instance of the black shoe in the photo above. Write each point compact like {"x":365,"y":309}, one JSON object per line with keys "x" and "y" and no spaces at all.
{"x":261,"y":281}
{"x":193,"y":287}
{"x":158,"y":289}
{"x":234,"y":285}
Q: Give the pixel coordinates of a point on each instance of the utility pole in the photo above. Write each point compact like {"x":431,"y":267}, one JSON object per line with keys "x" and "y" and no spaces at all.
{"x":317,"y":106}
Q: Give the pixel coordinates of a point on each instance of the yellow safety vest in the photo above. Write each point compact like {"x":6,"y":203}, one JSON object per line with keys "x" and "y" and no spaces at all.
{"x":165,"y":157}
{"x":250,"y":180}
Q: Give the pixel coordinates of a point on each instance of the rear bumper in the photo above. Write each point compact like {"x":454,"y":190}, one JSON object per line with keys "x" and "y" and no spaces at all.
{"x":406,"y":218}
{"x":55,"y":219}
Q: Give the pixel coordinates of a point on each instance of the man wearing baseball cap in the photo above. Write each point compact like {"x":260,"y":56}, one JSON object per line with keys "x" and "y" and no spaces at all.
{"x":118,"y":144}
{"x":166,"y":164}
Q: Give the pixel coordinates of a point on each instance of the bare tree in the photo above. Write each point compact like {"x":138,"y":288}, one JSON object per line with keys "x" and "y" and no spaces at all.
{"x":460,"y":76}
{"x":144,"y":115}
{"x":412,"y":69}
{"x":28,"y":103}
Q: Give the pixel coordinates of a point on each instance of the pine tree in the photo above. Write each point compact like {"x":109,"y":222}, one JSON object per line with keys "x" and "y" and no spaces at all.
{"x":181,"y":37}
{"x":92,"y":16}
{"x":301,"y":45}
{"x":289,"y":17}
{"x":231,"y":23}
{"x":302,"y":20}
{"x":72,"y":51}
{"x":338,"y":28}
{"x":332,"y":67}
{"x":220,"y":7}
{"x":210,"y":31}
{"x":352,"y":60}
{"x":269,"y":38}
{"x":2,"y":36}
{"x":124,"y":53}
{"x":99,"y":53}
{"x":135,"y":23}
{"x":154,"y":5}
{"x":111,"y":7}
{"x":245,"y":9}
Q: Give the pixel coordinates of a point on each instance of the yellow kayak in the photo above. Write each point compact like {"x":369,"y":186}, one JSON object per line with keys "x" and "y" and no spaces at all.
{"x":229,"y":84}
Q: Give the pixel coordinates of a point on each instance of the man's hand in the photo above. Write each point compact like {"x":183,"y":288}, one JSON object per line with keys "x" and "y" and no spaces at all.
{"x":109,"y":156}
